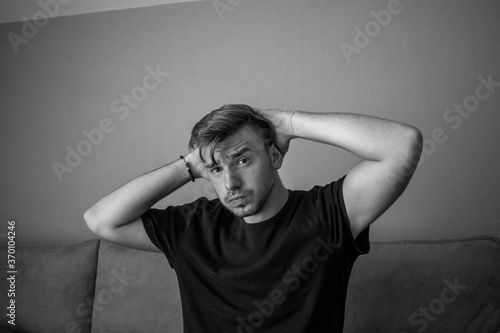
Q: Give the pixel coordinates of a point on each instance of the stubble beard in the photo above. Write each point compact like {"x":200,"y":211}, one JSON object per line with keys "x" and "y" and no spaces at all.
{"x":257,"y":206}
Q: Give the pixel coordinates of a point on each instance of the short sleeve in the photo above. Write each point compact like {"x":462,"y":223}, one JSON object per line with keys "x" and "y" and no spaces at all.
{"x":330,"y":203}
{"x":167,"y":227}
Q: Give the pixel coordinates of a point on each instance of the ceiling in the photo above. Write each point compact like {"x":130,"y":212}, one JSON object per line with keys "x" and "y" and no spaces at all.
{"x":24,"y":10}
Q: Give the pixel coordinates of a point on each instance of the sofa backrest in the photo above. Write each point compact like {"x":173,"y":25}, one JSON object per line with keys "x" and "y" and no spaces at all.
{"x":404,"y":286}
{"x":426,"y":286}
{"x":54,"y":288}
{"x":401,"y":287}
{"x":136,"y":291}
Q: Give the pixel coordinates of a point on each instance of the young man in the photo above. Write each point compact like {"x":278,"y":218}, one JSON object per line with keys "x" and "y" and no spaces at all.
{"x":261,"y":257}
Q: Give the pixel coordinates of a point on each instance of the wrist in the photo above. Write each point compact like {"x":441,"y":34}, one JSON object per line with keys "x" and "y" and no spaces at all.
{"x":193,"y":161}
{"x":188,"y":168}
{"x":289,"y":125}
{"x":292,"y":130}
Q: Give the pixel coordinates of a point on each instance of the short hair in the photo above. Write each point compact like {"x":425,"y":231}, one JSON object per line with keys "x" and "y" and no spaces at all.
{"x":223,"y":122}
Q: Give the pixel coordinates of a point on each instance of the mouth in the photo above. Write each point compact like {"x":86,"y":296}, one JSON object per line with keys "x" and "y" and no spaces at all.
{"x":237,"y":199}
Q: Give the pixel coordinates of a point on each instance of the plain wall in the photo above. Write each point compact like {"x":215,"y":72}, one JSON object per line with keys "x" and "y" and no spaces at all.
{"x":72,"y":75}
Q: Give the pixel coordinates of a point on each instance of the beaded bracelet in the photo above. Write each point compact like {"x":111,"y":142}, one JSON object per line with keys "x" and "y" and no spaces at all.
{"x":188,"y":168}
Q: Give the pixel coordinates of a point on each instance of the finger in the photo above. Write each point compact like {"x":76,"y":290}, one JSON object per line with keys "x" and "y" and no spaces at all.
{"x":264,"y":115}
{"x":258,"y":111}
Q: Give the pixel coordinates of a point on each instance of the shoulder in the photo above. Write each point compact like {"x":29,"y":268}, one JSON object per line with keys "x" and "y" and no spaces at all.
{"x":330,"y":192}
{"x":327,"y":201}
{"x":203,"y":209}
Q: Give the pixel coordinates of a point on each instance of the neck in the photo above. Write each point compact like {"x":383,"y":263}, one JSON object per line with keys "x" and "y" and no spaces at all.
{"x":276,"y":200}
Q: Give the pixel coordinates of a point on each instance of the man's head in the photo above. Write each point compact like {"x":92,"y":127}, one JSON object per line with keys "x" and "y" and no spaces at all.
{"x":237,"y":147}
{"x":221,"y":123}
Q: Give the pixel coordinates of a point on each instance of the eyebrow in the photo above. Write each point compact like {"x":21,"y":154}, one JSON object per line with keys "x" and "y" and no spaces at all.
{"x":239,"y":152}
{"x":231,"y":156}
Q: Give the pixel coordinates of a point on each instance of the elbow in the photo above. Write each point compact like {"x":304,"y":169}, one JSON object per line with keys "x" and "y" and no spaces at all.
{"x":415,"y":141}
{"x":91,"y":220}
{"x":412,"y":144}
{"x":99,"y":222}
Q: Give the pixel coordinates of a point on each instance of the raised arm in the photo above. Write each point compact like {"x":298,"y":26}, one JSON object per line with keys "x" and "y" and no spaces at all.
{"x":389,"y":150}
{"x":117,"y":216}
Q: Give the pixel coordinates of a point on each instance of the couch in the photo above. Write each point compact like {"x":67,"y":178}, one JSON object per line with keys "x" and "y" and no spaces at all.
{"x":402,"y":286}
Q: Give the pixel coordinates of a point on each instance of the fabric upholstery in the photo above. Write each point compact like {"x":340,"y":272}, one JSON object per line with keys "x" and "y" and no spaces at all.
{"x":412,"y":286}
{"x":426,"y":286}
{"x":136,"y":291}
{"x":54,"y":287}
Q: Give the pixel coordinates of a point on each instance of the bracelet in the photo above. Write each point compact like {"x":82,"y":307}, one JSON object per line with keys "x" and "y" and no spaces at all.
{"x":188,"y":168}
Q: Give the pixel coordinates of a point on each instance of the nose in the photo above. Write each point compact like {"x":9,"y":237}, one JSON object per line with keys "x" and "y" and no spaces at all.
{"x":232,"y":180}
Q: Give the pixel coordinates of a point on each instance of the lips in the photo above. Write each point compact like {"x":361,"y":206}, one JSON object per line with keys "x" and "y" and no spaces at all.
{"x":237,"y":199}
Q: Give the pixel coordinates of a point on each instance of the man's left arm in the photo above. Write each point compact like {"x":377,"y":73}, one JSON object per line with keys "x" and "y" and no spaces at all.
{"x":389,"y":150}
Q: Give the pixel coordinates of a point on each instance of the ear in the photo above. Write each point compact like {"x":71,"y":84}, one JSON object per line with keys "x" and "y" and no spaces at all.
{"x":192,"y":146}
{"x":276,"y":156}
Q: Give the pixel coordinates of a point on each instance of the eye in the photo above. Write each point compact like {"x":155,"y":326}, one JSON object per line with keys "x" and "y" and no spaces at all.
{"x":243,"y":161}
{"x":215,"y":170}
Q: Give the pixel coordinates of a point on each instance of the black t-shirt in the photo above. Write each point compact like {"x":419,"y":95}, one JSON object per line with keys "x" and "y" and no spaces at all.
{"x":285,"y":274}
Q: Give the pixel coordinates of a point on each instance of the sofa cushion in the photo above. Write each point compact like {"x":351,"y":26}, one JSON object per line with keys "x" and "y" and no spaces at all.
{"x":136,"y":291}
{"x":54,"y":286}
{"x":426,"y":286}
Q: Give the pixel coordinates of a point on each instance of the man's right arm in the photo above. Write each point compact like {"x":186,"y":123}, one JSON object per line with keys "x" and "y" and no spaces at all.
{"x":117,"y":216}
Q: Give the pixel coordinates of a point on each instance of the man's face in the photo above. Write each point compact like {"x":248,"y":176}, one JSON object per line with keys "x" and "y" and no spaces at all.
{"x":242,"y":173}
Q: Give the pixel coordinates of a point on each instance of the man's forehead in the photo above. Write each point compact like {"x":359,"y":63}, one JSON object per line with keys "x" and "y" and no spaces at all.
{"x":225,"y":152}
{"x":235,"y":144}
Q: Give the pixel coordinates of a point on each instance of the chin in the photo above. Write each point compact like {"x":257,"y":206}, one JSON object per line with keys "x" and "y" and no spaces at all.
{"x":243,"y":212}
{"x":248,"y":210}
{"x":252,"y":207}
